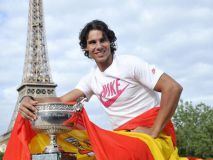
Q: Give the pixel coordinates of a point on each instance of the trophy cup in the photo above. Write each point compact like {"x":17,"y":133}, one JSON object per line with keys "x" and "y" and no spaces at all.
{"x":51,"y":120}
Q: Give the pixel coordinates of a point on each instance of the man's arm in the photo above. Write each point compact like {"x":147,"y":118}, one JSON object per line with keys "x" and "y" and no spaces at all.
{"x":27,"y":107}
{"x":170,"y":94}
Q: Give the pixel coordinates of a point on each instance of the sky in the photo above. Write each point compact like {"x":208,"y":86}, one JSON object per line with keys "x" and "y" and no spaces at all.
{"x":175,"y":35}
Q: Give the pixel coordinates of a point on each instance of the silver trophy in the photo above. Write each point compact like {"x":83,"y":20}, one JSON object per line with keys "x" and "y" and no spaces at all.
{"x":52,"y":118}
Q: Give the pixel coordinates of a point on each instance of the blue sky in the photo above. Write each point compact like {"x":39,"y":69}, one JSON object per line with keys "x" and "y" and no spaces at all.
{"x":177,"y":36}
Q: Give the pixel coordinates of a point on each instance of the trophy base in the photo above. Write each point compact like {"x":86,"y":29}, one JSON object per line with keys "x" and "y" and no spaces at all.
{"x":54,"y":156}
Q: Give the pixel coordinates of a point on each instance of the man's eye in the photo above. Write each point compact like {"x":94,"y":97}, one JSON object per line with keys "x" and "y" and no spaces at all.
{"x":103,"y":40}
{"x":91,"y":42}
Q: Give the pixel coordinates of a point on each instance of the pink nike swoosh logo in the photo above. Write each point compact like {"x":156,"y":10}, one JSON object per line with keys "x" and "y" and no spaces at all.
{"x":109,"y":102}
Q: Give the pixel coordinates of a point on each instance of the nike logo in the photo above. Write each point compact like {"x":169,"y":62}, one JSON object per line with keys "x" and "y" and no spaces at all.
{"x":111,"y":89}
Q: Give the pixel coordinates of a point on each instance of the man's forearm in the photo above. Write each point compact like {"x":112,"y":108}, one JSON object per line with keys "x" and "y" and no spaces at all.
{"x":169,"y":101}
{"x":48,"y":99}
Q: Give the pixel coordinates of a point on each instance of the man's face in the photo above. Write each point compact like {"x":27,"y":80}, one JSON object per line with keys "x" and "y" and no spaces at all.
{"x":98,"y":47}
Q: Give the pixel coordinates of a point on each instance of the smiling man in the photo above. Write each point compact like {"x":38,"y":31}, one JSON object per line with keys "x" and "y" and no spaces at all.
{"x":127,"y":87}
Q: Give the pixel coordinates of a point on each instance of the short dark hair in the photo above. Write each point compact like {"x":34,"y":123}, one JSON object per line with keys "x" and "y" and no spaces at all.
{"x":101,"y":26}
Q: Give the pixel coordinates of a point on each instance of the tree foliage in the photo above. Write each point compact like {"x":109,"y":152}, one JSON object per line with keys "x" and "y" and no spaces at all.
{"x":194,"y":129}
{"x":1,"y":156}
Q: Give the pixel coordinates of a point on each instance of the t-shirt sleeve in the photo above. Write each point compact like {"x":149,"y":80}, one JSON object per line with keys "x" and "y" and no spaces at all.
{"x":84,"y":86}
{"x":147,"y":74}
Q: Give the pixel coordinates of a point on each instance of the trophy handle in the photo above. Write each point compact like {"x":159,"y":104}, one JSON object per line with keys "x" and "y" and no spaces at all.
{"x":79,"y":105}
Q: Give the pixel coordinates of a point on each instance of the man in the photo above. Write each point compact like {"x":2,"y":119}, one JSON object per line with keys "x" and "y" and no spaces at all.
{"x":125,"y":85}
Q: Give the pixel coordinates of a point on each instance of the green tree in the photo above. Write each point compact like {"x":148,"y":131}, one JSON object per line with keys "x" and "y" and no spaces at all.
{"x":194,"y":129}
{"x":1,"y":155}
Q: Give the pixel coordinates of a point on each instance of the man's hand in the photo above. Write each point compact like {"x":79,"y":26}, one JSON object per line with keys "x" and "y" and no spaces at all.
{"x":145,"y":130}
{"x":27,"y":108}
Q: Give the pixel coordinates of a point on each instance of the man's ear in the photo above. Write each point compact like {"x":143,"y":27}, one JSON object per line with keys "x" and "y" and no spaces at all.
{"x":86,"y":48}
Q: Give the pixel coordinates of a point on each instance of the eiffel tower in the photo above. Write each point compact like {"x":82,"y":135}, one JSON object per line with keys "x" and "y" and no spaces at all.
{"x":37,"y":80}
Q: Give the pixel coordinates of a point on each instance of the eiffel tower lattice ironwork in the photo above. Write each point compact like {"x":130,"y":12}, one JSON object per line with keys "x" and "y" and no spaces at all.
{"x":37,"y":80}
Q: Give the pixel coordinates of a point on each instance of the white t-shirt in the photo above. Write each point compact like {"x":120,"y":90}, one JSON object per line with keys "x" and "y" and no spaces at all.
{"x":125,"y":88}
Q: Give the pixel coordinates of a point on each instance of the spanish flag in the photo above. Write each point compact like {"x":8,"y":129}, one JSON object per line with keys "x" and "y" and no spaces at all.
{"x":87,"y":138}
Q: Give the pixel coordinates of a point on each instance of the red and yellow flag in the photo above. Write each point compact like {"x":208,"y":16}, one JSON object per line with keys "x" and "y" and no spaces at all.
{"x":87,"y":138}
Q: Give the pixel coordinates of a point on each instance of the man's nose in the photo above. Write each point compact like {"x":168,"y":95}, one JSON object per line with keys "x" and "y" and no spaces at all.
{"x":98,"y":45}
